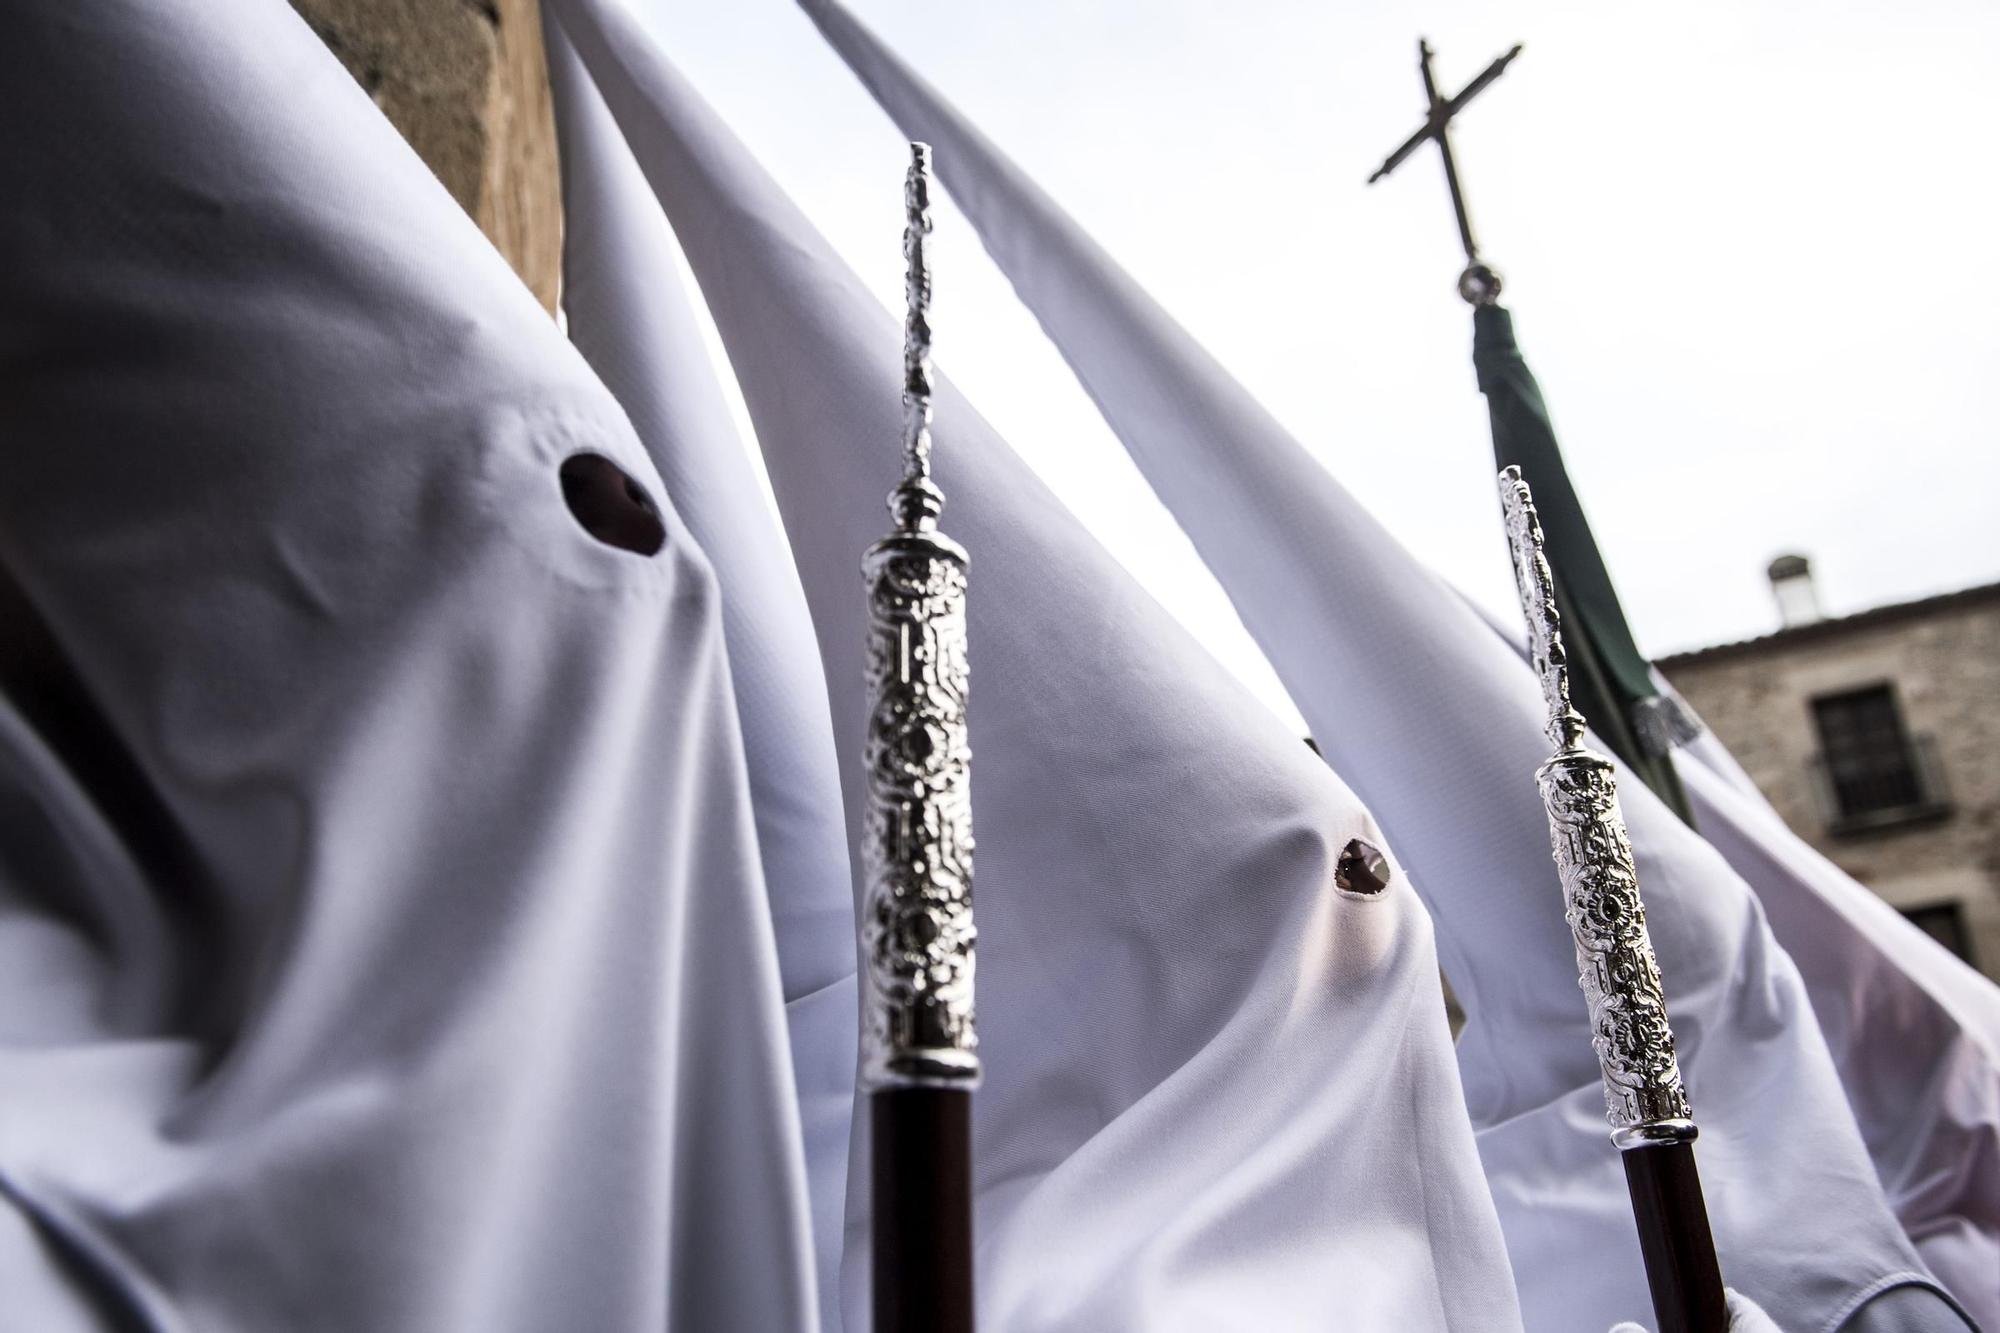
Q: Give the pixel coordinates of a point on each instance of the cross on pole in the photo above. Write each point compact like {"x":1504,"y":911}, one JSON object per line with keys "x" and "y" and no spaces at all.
{"x":1479,"y":284}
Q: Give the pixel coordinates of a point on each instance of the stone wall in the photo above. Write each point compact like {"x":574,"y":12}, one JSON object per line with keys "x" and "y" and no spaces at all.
{"x":466,"y":83}
{"x":1943,"y":657}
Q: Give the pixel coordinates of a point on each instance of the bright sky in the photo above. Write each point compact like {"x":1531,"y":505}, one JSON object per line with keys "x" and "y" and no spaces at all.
{"x":1745,"y":243}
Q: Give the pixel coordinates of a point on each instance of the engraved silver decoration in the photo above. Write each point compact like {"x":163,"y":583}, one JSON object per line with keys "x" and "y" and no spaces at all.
{"x":1620,"y":977}
{"x":916,"y":917}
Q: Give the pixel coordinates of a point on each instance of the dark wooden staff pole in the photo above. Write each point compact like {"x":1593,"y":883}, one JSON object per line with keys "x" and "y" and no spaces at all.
{"x":918,"y":1059}
{"x":1674,"y":1239}
{"x":922,"y":1230}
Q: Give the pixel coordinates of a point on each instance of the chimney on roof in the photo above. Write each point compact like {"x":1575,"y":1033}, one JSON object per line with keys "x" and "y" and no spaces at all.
{"x":1792,"y":586}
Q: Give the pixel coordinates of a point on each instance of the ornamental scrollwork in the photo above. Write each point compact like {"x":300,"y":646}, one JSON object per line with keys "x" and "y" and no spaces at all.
{"x":917,"y":933}
{"x":1616,"y":968}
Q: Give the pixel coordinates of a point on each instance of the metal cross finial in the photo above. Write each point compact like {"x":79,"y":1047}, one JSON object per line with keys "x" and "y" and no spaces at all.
{"x":1479,"y":284}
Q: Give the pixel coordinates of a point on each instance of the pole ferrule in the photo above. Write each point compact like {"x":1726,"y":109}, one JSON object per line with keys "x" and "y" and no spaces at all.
{"x":1654,"y":1134}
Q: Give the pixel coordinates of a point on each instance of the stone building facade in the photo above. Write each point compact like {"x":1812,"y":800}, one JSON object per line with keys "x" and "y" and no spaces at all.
{"x":467,"y":84}
{"x":1877,"y":737}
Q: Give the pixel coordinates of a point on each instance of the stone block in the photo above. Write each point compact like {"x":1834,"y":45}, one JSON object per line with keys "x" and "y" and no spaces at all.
{"x":466,"y":83}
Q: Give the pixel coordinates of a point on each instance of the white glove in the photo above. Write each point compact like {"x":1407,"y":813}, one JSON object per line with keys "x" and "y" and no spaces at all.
{"x":1745,"y":1316}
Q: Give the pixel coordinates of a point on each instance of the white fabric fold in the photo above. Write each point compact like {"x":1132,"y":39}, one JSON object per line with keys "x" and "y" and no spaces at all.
{"x":1915,"y":1032}
{"x":1437,"y":726}
{"x":630,"y":316}
{"x":1218,"y":1090}
{"x":384,"y":837}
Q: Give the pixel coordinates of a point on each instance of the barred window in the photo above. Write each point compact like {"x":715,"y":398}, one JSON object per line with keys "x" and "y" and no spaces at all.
{"x":1872,"y":771}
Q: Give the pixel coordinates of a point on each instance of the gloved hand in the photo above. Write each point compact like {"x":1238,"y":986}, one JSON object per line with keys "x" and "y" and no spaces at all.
{"x":1745,"y":1316}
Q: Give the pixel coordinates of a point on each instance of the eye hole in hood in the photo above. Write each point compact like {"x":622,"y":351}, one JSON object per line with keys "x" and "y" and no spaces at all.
{"x":610,"y":505}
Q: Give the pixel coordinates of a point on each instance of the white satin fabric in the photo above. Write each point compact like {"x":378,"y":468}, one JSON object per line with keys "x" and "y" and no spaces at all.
{"x":384,"y":939}
{"x":1914,"y":1032}
{"x":630,"y":316}
{"x":1218,"y":1089}
{"x":1438,"y":727}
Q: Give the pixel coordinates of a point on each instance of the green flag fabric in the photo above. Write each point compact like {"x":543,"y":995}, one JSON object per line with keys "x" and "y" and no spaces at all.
{"x":1611,"y":683}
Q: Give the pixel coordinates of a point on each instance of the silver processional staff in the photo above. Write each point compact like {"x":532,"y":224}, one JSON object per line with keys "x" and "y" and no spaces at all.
{"x":918,"y":1059}
{"x":1652,"y":1124}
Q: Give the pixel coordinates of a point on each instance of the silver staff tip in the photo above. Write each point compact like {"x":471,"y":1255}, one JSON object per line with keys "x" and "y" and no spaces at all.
{"x":1536,"y":584}
{"x":917,"y":187}
{"x":916,"y":325}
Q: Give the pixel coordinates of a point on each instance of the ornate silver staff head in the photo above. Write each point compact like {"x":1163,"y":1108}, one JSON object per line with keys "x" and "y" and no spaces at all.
{"x":916,"y":914}
{"x":1643,"y":1096}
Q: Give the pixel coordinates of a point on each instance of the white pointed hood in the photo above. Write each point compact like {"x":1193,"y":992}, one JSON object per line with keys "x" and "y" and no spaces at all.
{"x":394,"y":866}
{"x":1217,"y":1085}
{"x":1436,"y":724}
{"x":630,"y":316}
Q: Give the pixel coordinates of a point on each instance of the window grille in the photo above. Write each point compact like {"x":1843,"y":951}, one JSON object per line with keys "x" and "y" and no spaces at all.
{"x":1870,"y":771}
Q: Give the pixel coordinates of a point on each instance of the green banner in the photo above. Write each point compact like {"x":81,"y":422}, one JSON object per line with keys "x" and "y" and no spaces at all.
{"x":1611,"y":684}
